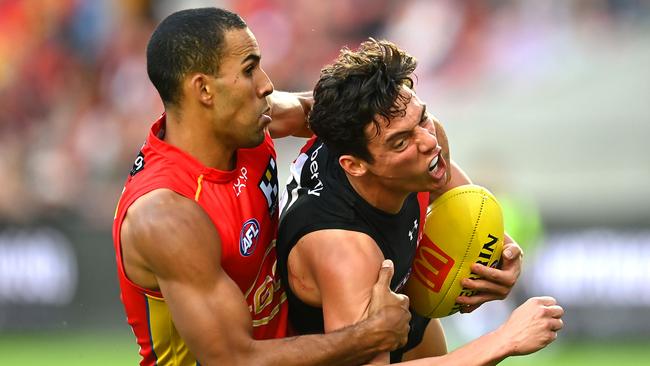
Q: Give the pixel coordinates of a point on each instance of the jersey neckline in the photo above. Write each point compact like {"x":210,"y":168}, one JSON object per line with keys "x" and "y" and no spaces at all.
{"x":185,"y":160}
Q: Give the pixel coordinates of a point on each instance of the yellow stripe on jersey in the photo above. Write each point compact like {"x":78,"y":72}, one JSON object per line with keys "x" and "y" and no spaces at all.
{"x":168,"y":346}
{"x":118,"y":203}
{"x":199,"y":183}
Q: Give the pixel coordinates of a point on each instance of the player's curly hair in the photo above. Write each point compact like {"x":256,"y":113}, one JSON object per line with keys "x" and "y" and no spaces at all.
{"x":355,"y":90}
{"x":187,"y":41}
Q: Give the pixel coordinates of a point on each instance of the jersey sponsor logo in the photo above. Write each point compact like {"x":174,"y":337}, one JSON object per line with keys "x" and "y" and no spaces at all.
{"x":269,"y":185}
{"x":313,"y":170}
{"x":138,"y":164}
{"x":241,"y":181}
{"x":248,"y":237}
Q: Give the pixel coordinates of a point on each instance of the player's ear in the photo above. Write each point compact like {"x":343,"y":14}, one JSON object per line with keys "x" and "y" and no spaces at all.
{"x":198,"y":86}
{"x":352,"y":165}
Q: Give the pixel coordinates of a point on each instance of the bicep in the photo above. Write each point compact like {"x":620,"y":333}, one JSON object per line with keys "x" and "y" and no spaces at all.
{"x":210,"y":313}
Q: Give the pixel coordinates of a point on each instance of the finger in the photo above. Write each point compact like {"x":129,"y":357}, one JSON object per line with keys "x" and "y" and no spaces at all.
{"x":385,"y":274}
{"x":486,"y":286}
{"x":556,"y":325}
{"x":404,"y":301}
{"x":544,"y":300}
{"x":503,"y":277}
{"x":477,"y":299}
{"x":555,"y":311}
{"x":512,"y":251}
{"x":468,"y":309}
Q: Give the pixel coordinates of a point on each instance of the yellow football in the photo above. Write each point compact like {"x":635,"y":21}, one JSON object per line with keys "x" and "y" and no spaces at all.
{"x":463,"y":226}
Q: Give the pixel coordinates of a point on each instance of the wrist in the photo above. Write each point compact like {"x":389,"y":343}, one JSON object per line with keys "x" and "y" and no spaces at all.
{"x":499,"y":345}
{"x":377,"y":339}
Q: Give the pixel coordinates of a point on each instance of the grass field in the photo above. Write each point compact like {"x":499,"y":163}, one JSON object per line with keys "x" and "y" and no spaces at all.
{"x":118,"y":348}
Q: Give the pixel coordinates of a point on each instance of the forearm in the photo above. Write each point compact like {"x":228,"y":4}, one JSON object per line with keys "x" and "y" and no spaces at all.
{"x":485,"y":351}
{"x":353,"y":345}
{"x":289,"y":113}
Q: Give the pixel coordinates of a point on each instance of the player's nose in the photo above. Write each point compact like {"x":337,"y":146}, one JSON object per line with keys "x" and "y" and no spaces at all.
{"x":426,"y":141}
{"x":265,"y":86}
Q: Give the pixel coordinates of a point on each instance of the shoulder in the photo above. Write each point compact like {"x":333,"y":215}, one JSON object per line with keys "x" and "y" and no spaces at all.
{"x":164,"y":226}
{"x":160,"y":207}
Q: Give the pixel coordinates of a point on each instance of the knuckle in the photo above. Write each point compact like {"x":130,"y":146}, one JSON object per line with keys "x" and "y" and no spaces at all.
{"x":509,"y":280}
{"x":404,"y":299}
{"x":504,"y":291}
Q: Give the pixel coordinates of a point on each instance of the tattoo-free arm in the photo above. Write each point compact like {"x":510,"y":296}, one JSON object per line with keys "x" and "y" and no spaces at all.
{"x":289,"y":112}
{"x":182,"y":249}
{"x":341,"y":267}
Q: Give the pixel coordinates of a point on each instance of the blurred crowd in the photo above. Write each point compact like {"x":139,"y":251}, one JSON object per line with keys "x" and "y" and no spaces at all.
{"x":75,"y":100}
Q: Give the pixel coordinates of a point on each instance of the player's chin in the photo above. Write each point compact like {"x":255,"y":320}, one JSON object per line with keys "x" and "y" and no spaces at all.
{"x":436,"y":184}
{"x":255,"y":140}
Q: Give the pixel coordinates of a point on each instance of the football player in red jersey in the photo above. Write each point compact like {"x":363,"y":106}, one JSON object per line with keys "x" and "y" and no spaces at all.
{"x":195,"y":227}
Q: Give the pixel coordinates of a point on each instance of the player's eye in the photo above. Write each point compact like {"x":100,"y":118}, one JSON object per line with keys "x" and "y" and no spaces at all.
{"x":249,"y":70}
{"x":400,"y":144}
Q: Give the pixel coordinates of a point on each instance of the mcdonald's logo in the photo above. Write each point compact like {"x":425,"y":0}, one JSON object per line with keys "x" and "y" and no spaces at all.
{"x":431,"y":265}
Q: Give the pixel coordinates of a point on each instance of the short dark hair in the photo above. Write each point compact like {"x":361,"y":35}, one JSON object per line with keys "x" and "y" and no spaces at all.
{"x":359,"y":86}
{"x":187,"y":41}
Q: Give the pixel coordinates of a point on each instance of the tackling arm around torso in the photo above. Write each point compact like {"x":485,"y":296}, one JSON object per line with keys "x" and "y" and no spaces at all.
{"x":169,"y":243}
{"x":335,"y":269}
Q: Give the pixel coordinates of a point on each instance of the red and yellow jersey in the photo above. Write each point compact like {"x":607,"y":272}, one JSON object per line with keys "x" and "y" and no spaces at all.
{"x":242,"y":204}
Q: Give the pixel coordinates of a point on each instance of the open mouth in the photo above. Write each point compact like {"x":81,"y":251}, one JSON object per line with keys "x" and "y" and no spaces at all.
{"x":434,"y":163}
{"x":437,"y":167}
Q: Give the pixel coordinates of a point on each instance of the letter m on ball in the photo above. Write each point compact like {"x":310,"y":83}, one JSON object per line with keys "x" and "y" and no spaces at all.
{"x":431,"y":265}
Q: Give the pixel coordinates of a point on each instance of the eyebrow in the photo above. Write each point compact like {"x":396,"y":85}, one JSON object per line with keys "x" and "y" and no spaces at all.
{"x":408,"y":131}
{"x":252,"y":56}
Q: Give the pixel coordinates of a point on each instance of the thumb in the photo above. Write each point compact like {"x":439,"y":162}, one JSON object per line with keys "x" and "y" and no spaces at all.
{"x":511,"y":252}
{"x":385,"y":273}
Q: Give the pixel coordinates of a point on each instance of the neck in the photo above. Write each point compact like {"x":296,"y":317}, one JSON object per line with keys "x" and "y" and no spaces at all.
{"x":192,"y":133}
{"x":378,"y":195}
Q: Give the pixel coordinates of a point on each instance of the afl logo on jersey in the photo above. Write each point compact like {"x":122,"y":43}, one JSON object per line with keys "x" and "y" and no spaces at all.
{"x":249,"y":236}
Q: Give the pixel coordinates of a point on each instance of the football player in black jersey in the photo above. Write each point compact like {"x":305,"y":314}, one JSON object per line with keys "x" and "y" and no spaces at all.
{"x":358,"y":195}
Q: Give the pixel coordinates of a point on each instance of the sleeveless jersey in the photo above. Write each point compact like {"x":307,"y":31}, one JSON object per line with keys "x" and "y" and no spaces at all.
{"x":319,"y":196}
{"x":242,"y":205}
